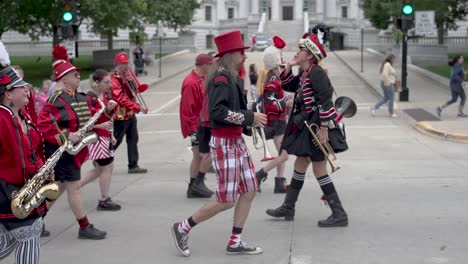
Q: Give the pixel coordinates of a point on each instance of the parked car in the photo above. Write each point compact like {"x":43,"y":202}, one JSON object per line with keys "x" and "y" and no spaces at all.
{"x":262,"y":42}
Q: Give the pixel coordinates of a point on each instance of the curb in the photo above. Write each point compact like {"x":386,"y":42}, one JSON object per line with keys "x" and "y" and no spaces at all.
{"x":427,"y":129}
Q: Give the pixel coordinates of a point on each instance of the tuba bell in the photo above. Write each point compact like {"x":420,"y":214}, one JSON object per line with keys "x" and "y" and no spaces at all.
{"x":259,"y":141}
{"x":345,"y":107}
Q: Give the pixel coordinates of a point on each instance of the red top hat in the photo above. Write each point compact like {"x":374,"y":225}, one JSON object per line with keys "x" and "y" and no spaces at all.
{"x":312,"y":44}
{"x":121,"y":58}
{"x":229,"y":42}
{"x":61,"y":68}
{"x":278,"y":42}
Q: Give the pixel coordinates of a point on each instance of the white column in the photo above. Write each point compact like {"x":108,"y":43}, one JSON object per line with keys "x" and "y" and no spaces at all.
{"x":275,"y":10}
{"x":255,"y":6}
{"x":298,"y":9}
{"x":320,"y":7}
{"x":243,"y":9}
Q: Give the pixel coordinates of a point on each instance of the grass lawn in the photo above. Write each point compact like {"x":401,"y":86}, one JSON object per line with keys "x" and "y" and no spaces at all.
{"x":444,"y":69}
{"x":37,"y":68}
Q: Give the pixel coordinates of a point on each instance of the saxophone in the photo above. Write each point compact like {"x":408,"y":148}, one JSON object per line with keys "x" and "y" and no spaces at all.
{"x":84,"y":133}
{"x":34,"y":192}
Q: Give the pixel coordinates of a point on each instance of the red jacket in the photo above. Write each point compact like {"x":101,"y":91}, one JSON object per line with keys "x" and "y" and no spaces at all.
{"x":274,"y":101}
{"x":95,"y":107}
{"x":21,"y":155}
{"x":191,"y":103}
{"x":71,"y":112}
{"x":122,"y":94}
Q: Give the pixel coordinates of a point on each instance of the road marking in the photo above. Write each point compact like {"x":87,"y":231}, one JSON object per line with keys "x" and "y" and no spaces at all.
{"x":159,"y":132}
{"x":165,"y":105}
{"x":159,"y":93}
{"x":366,"y":127}
{"x":162,"y":114}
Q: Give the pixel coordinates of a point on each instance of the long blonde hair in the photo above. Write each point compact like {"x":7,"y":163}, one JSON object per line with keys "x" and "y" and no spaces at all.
{"x":226,"y":62}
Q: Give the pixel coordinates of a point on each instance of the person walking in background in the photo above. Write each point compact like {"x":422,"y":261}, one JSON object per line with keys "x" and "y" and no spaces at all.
{"x":253,"y":76}
{"x":101,"y":152}
{"x":41,"y":98}
{"x":191,"y":102}
{"x":457,"y":76}
{"x":387,"y":83}
{"x":237,"y":184}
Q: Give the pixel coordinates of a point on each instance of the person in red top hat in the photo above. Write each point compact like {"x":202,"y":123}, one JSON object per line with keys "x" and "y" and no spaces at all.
{"x":191,"y":102}
{"x":21,"y":156}
{"x":126,"y":121}
{"x":312,"y":105}
{"x":59,"y":122}
{"x":235,"y":172}
{"x":101,"y":152}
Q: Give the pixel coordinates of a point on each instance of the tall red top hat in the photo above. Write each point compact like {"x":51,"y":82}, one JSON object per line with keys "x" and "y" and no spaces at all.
{"x":121,"y":58}
{"x":312,"y":44}
{"x":229,"y":42}
{"x":61,"y":68}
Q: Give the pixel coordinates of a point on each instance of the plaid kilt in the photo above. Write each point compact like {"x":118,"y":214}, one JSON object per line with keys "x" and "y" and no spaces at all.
{"x":234,"y":168}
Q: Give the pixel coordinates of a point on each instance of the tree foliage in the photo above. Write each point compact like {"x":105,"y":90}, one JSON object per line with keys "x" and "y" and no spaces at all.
{"x":382,"y":12}
{"x":174,"y":14}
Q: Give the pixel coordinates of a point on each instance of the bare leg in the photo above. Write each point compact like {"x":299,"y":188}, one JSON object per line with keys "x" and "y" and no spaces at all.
{"x":105,"y":179}
{"x":319,"y":168}
{"x":280,"y":168}
{"x":209,"y":210}
{"x":241,"y":212}
{"x":195,"y":164}
{"x":205,"y":163}
{"x":74,"y":198}
{"x":282,"y":158}
{"x":90,"y":176}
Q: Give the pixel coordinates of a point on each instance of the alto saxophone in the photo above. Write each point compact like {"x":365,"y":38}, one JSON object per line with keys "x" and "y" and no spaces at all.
{"x":84,"y":133}
{"x":34,"y":192}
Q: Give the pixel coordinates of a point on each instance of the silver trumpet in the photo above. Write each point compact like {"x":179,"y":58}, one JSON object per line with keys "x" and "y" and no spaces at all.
{"x":259,"y":141}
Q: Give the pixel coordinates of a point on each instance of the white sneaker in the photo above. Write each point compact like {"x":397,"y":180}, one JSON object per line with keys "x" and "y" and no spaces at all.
{"x":394,"y":115}
{"x":372,"y":111}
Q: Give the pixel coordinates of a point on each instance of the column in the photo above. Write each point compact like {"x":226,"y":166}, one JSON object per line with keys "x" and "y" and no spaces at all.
{"x":320,"y":8}
{"x":275,"y":10}
{"x":255,"y":6}
{"x":243,"y":9}
{"x":298,"y":9}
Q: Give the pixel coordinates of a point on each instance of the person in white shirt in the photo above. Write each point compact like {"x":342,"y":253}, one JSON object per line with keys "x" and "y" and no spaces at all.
{"x":387,"y":82}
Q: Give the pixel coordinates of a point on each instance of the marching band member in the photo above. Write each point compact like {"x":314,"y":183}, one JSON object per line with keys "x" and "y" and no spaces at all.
{"x":21,"y":149}
{"x":101,"y":152}
{"x":126,"y":121}
{"x":275,"y":106}
{"x":279,"y":44}
{"x":191,"y":101}
{"x":237,"y":184}
{"x":313,"y":103}
{"x":68,"y":110}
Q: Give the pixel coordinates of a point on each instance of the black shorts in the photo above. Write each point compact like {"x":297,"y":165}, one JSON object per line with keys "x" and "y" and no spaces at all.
{"x":204,"y":136}
{"x":66,"y":169}
{"x":105,"y":161}
{"x":277,"y":128}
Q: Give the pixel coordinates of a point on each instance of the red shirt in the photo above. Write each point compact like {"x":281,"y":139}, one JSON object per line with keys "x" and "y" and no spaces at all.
{"x":274,"y":101}
{"x":94,"y":107}
{"x":122,"y":94}
{"x":191,"y":103}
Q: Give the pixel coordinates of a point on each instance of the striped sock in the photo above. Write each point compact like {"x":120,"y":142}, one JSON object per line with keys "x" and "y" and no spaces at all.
{"x":186,"y":225}
{"x":235,"y":239}
{"x":297,"y":180}
{"x":326,"y":185}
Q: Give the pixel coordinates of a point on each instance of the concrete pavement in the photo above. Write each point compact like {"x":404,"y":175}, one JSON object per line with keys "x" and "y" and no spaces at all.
{"x":404,"y":194}
{"x":426,"y":90}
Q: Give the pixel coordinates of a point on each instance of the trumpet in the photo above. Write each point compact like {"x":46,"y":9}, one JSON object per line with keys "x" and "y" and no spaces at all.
{"x":326,"y":149}
{"x":135,"y":86}
{"x":255,"y":137}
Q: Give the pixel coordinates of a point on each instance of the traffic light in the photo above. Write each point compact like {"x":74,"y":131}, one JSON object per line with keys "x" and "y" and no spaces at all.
{"x":407,"y":8}
{"x":68,"y":26}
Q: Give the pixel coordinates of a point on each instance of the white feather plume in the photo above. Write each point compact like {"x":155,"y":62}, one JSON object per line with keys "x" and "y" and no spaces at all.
{"x":4,"y":57}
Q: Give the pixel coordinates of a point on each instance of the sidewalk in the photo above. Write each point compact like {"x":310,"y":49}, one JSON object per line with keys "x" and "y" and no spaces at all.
{"x":425,"y":94}
{"x":171,"y":64}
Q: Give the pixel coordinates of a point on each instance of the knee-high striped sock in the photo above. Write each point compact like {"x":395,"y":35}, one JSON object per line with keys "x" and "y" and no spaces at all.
{"x":235,"y":239}
{"x":297,"y":180}
{"x":326,"y":185}
{"x":186,"y":225}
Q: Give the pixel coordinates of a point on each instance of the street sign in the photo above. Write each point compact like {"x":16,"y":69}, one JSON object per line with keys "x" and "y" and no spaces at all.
{"x":425,"y":22}
{"x":70,"y":46}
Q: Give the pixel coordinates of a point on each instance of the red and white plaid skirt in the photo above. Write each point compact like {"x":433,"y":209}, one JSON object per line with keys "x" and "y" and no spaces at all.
{"x":234,"y":168}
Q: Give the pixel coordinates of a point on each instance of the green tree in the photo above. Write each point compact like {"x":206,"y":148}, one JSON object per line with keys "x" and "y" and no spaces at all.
{"x":174,"y":14}
{"x":382,"y":12}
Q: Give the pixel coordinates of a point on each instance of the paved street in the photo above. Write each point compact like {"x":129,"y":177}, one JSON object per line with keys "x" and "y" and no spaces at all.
{"x":404,"y":193}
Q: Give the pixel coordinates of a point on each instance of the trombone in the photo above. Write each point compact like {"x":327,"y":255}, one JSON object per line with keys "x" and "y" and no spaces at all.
{"x":135,"y":86}
{"x":326,"y":149}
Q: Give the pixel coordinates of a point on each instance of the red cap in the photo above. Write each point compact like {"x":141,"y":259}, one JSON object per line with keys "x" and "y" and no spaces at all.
{"x":121,"y":58}
{"x":229,"y":42}
{"x":61,"y":68}
{"x":203,"y":59}
{"x":279,"y":42}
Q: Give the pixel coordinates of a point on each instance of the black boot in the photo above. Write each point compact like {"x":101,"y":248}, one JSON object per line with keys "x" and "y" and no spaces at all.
{"x":195,"y":190}
{"x":45,"y":232}
{"x":261,"y":177}
{"x":338,"y":216}
{"x":279,"y":185}
{"x":287,"y":209}
{"x":201,"y":184}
